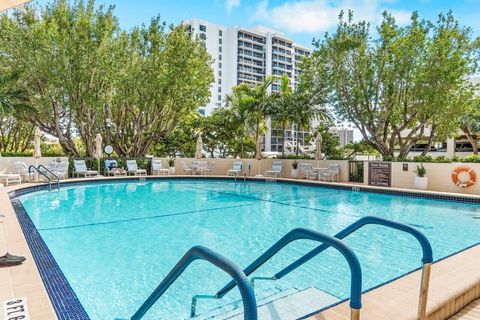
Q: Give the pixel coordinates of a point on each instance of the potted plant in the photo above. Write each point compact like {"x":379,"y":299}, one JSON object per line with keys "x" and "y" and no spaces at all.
{"x":171,"y":165}
{"x":294,"y":169}
{"x":421,"y":181}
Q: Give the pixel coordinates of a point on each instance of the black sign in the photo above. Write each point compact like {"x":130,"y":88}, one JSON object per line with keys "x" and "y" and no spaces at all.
{"x":380,"y":174}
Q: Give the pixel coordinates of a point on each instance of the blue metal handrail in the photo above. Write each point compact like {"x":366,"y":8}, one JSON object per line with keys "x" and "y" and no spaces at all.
{"x":42,"y":173}
{"x":298,"y":234}
{"x":53,"y":174}
{"x":203,"y":253}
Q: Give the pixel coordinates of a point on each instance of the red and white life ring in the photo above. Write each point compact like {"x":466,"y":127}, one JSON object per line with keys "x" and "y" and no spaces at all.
{"x":467,"y":181}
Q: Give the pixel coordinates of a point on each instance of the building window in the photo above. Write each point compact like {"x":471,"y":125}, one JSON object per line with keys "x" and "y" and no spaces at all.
{"x":201,"y":111}
{"x":203,"y":36}
{"x":219,"y":57}
{"x":219,"y":73}
{"x":219,"y":81}
{"x":220,"y":41}
{"x":219,"y":89}
{"x":220,"y":65}
{"x":219,"y":98}
{"x":219,"y":49}
{"x":203,"y":28}
{"x":220,"y":33}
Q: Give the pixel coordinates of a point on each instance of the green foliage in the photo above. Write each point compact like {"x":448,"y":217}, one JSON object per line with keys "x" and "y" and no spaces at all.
{"x":471,"y":159}
{"x":330,"y":143}
{"x":421,"y":171}
{"x":410,"y":78}
{"x":302,"y":156}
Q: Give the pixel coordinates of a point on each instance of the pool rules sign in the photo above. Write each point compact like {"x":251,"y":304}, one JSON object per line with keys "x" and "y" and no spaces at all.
{"x":15,"y":309}
{"x":380,"y":174}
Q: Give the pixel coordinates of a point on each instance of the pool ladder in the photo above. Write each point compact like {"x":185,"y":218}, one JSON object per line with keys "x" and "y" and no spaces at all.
{"x":33,"y":169}
{"x":246,"y":287}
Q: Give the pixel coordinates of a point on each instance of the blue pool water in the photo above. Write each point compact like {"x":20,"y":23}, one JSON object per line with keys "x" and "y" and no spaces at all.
{"x":116,"y":241}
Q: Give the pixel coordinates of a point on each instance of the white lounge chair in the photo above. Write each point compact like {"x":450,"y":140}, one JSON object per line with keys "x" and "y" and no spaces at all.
{"x":62,"y":170}
{"x":276,"y":170}
{"x":157,"y":168}
{"x":21,"y":168}
{"x":236,"y":169}
{"x":80,"y":169}
{"x":332,"y":172}
{"x":308,"y":172}
{"x":10,"y":177}
{"x":132,"y":168}
{"x":211,"y":168}
{"x":186,"y":168}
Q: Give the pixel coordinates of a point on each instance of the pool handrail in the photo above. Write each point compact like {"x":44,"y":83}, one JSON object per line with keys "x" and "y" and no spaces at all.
{"x":308,"y":234}
{"x":427,"y":257}
{"x":53,"y":174}
{"x":42,"y":173}
{"x":204,"y":253}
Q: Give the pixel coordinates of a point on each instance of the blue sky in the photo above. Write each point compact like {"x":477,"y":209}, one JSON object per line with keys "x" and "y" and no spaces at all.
{"x":302,"y":20}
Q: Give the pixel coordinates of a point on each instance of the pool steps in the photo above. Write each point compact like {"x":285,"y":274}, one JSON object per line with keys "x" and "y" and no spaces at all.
{"x":289,"y":304}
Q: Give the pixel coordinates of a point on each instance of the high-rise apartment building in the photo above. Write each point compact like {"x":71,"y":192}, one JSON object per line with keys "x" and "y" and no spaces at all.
{"x":345,"y":135}
{"x":244,"y":55}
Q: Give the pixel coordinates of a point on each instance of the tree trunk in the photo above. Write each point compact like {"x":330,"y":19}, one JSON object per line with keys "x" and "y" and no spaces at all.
{"x":472,"y":140}
{"x":283,"y":139}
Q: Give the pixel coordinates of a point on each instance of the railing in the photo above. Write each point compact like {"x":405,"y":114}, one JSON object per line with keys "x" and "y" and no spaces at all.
{"x":51,"y":173}
{"x":427,"y":257}
{"x":199,"y":252}
{"x":298,"y":234}
{"x":35,"y":169}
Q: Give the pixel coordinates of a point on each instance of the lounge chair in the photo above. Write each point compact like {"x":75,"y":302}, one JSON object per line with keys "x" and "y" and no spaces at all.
{"x":276,"y":170}
{"x":10,"y":177}
{"x":308,"y":172}
{"x":80,"y":169}
{"x":132,"y":168}
{"x":236,"y":169}
{"x":211,"y":168}
{"x":21,"y":168}
{"x":332,"y":172}
{"x":186,"y":168}
{"x":111,"y":167}
{"x":157,"y":168}
{"x":58,"y":169}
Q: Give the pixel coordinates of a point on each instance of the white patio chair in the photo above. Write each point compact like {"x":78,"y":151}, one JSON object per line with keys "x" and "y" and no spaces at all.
{"x":236,"y":170}
{"x":80,"y":169}
{"x":157,"y":168}
{"x":133,"y":169}
{"x":211,"y":168}
{"x":332,"y":172}
{"x":308,"y":172}
{"x":186,"y":168}
{"x":201,"y":167}
{"x":276,"y":170}
{"x":10,"y":177}
{"x":21,"y":168}
{"x":62,"y":170}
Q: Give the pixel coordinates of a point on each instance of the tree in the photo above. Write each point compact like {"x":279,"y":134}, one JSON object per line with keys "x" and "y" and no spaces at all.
{"x":470,"y":123}
{"x":330,"y":141}
{"x":15,"y":133}
{"x":63,"y":55}
{"x":396,"y":87}
{"x":163,"y":75}
{"x":281,"y":113}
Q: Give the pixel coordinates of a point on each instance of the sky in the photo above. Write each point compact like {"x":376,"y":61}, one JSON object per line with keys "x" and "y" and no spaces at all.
{"x":301,"y":20}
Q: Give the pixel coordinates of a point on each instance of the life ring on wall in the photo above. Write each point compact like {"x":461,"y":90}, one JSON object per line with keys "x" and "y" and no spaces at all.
{"x":464,"y":183}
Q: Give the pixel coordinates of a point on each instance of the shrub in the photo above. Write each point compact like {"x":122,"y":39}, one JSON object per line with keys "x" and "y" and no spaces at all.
{"x":471,"y":158}
{"x":442,"y":159}
{"x":303,"y":156}
{"x":421,"y":171}
{"x":422,"y":159}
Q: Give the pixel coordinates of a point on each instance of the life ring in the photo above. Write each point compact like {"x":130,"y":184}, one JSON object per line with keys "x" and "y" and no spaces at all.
{"x":464,"y":183}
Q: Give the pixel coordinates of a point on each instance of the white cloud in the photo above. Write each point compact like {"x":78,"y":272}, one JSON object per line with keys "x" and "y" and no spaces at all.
{"x":230,"y":4}
{"x":320,"y":15}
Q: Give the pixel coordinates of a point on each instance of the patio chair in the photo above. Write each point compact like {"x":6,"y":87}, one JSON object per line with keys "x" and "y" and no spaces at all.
{"x":308,"y":172}
{"x":157,"y":168}
{"x":276,"y":170}
{"x":332,"y":172}
{"x":186,"y":168}
{"x":201,"y":167}
{"x":236,"y":169}
{"x":211,"y":168}
{"x":80,"y":169}
{"x":133,"y":169}
{"x":21,"y":168}
{"x":62,"y":170}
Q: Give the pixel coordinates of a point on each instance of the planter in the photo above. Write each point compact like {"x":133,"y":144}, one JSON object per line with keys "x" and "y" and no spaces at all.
{"x":294,"y":173}
{"x":421,"y":183}
{"x":171,"y":170}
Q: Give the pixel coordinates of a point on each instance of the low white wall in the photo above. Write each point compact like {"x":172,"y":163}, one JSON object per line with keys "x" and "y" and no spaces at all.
{"x":6,"y":163}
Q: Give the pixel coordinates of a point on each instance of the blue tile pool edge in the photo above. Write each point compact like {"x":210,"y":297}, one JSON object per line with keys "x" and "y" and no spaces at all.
{"x":64,"y":300}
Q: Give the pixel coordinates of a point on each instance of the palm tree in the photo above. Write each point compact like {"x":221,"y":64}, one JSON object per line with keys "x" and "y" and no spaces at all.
{"x":12,"y":99}
{"x":281,"y":114}
{"x":240,"y":104}
{"x":304,"y":111}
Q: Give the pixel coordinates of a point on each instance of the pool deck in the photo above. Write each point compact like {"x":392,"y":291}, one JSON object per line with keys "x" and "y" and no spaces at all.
{"x":455,"y":281}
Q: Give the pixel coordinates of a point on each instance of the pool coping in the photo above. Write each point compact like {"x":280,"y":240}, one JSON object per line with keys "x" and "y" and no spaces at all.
{"x":57,"y":285}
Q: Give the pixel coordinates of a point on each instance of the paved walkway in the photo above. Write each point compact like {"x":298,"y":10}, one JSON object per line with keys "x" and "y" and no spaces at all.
{"x":470,"y":312}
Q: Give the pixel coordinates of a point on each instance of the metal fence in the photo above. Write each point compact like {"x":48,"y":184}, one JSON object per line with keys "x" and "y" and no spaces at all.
{"x":355,"y":171}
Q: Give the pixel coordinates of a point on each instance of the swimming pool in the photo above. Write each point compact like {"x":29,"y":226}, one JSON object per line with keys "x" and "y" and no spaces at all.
{"x":115,"y":241}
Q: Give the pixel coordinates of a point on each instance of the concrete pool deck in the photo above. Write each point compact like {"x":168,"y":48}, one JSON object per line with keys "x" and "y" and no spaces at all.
{"x":455,"y":281}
